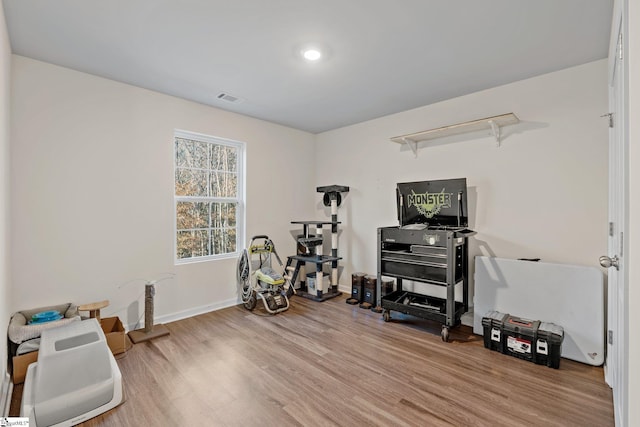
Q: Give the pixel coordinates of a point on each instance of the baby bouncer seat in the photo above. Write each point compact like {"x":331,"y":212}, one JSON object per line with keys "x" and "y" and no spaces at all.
{"x":258,"y":280}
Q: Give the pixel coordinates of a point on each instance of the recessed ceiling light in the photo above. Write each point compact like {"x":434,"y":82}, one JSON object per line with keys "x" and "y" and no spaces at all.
{"x":312,"y":54}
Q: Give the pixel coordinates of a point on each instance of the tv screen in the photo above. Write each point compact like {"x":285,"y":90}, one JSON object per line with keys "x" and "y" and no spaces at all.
{"x":437,"y":203}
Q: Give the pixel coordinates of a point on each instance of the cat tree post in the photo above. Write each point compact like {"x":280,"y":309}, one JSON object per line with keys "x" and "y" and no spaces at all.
{"x":150,"y":330}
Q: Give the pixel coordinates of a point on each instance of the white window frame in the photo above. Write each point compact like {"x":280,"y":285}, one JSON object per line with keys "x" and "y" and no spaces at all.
{"x":239,"y":199}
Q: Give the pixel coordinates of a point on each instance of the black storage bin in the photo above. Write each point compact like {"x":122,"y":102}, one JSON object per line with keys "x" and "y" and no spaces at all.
{"x":492,"y":325}
{"x":549,"y":344}
{"x":519,"y":337}
{"x":357,"y":288}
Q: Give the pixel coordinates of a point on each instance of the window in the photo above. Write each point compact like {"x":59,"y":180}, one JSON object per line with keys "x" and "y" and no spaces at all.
{"x":208,"y":196}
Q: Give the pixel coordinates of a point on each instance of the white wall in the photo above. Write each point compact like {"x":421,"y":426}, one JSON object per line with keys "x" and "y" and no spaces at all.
{"x":633,"y":264}
{"x":542,"y":194}
{"x":5,"y":286}
{"x":92,"y":192}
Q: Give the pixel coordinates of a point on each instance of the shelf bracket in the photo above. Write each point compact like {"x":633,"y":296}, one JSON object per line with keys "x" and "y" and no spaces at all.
{"x":496,"y":131}
{"x":413,"y":145}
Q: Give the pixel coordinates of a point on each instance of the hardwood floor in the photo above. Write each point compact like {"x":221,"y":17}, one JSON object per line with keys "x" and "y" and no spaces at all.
{"x":330,"y":363}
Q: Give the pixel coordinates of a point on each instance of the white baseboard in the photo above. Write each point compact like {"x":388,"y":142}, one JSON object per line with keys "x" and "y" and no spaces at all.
{"x":187,"y":313}
{"x":467,"y":318}
{"x":5,"y":395}
{"x":345,"y":289}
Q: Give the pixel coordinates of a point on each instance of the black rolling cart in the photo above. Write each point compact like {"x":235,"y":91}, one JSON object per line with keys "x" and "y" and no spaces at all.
{"x":429,"y":246}
{"x":438,"y":257}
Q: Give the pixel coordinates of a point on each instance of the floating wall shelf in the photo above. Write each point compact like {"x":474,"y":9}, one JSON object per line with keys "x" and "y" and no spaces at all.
{"x":491,"y":123}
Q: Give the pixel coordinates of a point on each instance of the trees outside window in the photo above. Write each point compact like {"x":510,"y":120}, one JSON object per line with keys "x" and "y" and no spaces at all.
{"x":208,"y":196}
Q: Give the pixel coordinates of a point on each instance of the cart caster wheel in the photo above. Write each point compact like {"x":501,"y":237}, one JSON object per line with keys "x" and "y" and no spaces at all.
{"x":386,"y":315}
{"x":445,"y":334}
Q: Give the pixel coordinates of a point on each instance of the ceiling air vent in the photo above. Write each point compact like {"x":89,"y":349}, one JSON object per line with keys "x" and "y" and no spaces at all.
{"x":229,"y":98}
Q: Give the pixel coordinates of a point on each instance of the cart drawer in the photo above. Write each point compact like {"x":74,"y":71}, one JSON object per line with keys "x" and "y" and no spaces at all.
{"x":429,"y":250}
{"x":412,"y":270}
{"x":436,"y":259}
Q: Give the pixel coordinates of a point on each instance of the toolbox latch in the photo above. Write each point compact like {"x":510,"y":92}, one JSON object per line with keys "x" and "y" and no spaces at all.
{"x":541,"y":347}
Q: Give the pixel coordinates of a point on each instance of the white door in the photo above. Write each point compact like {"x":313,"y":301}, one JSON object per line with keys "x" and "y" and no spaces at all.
{"x":615,"y":366}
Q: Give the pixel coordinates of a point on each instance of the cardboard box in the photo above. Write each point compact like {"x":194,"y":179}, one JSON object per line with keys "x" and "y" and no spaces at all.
{"x":114,"y":331}
{"x":20,"y":365}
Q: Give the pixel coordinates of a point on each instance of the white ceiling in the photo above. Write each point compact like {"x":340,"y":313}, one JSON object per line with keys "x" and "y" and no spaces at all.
{"x":386,"y":56}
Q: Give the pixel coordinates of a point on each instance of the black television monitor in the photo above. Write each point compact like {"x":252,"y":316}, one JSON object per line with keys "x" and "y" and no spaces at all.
{"x":437,"y":203}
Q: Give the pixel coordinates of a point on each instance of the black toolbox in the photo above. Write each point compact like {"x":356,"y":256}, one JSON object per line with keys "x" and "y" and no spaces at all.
{"x":532,"y":340}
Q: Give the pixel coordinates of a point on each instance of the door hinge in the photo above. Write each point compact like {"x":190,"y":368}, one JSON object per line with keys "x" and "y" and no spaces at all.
{"x":610,"y":336}
{"x":621,"y":244}
{"x":611,"y":229}
{"x":620,"y":45}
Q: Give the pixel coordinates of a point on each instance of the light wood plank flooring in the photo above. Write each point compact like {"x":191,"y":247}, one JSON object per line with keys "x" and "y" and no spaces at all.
{"x":333,"y":364}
